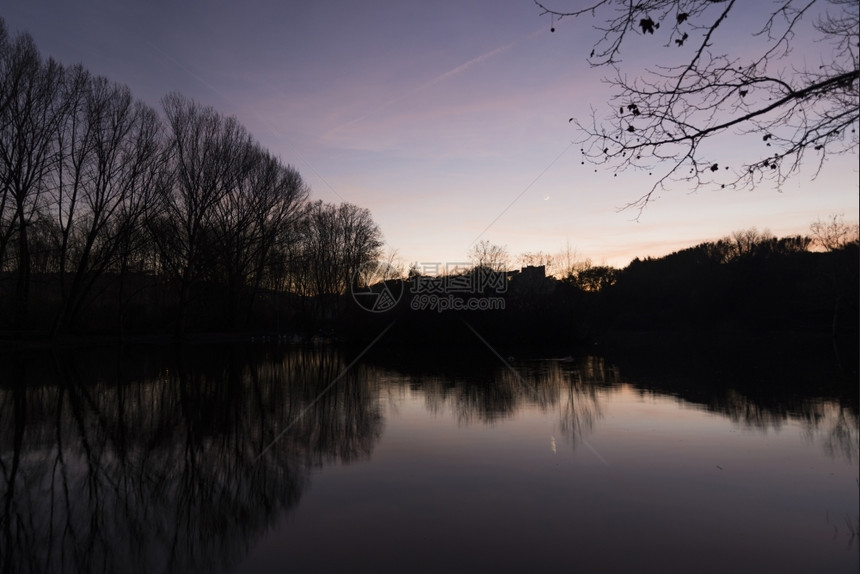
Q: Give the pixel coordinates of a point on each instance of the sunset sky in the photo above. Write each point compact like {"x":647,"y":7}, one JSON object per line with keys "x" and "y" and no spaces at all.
{"x":447,"y":119}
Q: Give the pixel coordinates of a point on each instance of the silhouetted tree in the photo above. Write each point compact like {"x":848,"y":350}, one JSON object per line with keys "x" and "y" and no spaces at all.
{"x":110,"y":159}
{"x":332,"y":243}
{"x":209,"y":156}
{"x":594,"y":278}
{"x":751,"y":243}
{"x":537,"y":259}
{"x":248,"y":221}
{"x":707,"y":85}
{"x":31,"y":107}
{"x":841,"y":281}
{"x":486,"y":255}
{"x":105,"y":200}
{"x":834,"y":233}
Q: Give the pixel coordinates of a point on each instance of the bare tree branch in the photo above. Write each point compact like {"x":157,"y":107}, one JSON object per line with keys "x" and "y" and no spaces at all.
{"x":664,"y":119}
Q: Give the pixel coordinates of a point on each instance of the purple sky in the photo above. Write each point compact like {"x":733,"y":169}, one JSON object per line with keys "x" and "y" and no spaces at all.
{"x":447,"y":119}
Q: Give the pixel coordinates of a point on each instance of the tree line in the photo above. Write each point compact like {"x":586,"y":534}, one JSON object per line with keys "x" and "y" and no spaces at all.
{"x":115,"y":216}
{"x":748,"y":284}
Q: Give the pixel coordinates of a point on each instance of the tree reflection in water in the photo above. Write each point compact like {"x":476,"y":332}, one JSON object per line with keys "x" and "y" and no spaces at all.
{"x":480,"y":390}
{"x":758,"y":382}
{"x":150,"y":460}
{"x":121,"y":466}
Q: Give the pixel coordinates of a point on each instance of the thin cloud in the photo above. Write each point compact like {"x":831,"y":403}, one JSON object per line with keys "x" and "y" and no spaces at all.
{"x":186,"y":70}
{"x":436,"y":80}
{"x":463,"y":67}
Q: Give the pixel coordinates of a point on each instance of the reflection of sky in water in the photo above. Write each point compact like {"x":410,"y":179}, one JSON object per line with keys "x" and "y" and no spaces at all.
{"x":458,"y":465}
{"x":654,"y":482}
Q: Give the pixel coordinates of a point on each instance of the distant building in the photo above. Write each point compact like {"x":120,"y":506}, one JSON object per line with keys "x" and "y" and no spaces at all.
{"x":528,"y":274}
{"x":533,"y":273}
{"x":531,"y":283}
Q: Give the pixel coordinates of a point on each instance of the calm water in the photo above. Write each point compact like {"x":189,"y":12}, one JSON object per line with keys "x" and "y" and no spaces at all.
{"x":267,"y":459}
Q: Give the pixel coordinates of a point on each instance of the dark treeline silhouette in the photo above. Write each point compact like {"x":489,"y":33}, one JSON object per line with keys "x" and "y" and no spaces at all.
{"x":115,"y":218}
{"x":747,"y":284}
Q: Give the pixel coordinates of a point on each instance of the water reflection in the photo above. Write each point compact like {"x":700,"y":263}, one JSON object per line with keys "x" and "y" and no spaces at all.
{"x":152,"y":465}
{"x":571,"y":388}
{"x":759,"y":386}
{"x":482,"y":390}
{"x":160,"y":460}
{"x":835,"y":427}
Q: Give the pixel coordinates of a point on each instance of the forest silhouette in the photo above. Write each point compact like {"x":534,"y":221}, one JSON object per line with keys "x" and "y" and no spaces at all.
{"x":119,"y":220}
{"x":747,"y":285}
{"x":115,"y":218}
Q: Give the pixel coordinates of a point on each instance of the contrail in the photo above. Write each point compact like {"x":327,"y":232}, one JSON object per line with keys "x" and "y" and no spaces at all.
{"x":187,"y":70}
{"x":463,"y":67}
{"x":438,"y":79}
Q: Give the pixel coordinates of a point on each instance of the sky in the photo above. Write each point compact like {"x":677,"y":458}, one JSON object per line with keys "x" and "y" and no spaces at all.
{"x":448,"y":120}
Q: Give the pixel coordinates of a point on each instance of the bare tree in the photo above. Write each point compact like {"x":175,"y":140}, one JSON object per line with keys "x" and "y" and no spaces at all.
{"x":489,"y":256}
{"x":594,"y":278}
{"x":30,"y":110}
{"x":566,"y":262}
{"x":248,"y":220}
{"x":745,"y":242}
{"x":208,"y":156}
{"x":537,"y":259}
{"x":110,"y":160}
{"x":7,"y":91}
{"x":332,"y":243}
{"x":361,"y":239}
{"x":834,"y":234}
{"x":660,"y":119}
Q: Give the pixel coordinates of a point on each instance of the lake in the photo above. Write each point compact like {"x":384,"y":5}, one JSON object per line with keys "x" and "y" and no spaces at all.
{"x":270,"y":457}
